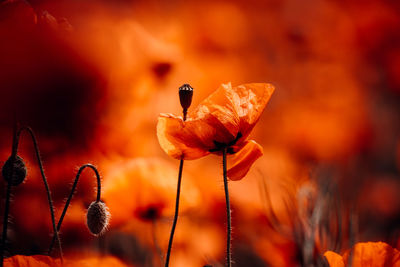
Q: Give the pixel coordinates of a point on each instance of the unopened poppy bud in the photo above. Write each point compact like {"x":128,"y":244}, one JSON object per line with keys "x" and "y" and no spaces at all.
{"x":97,"y":218}
{"x":14,"y":170}
{"x":185,"y":95}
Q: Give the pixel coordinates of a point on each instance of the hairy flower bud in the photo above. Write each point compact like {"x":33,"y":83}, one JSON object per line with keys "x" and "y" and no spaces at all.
{"x":97,"y":218}
{"x":185,"y":95}
{"x":14,"y":170}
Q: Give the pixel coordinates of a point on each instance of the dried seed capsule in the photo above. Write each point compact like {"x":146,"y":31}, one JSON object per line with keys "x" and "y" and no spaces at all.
{"x":97,"y":218}
{"x":185,"y":96}
{"x":17,"y":171}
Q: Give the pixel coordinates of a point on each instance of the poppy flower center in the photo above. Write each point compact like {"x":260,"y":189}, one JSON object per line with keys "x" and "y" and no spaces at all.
{"x":219,"y":146}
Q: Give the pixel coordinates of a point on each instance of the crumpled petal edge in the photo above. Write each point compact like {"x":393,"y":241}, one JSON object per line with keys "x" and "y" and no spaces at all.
{"x":244,"y":159}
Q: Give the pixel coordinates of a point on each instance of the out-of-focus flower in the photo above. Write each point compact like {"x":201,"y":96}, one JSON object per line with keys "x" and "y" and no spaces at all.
{"x":35,"y":260}
{"x":374,"y":254}
{"x":88,"y":261}
{"x":46,"y":261}
{"x":138,"y":189}
{"x":224,"y":119}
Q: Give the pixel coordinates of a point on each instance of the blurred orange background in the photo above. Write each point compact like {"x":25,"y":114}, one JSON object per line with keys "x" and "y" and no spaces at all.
{"x":91,"y":77}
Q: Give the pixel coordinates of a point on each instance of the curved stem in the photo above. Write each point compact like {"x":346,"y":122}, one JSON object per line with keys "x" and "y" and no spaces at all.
{"x":46,"y":185}
{"x":72,"y":193}
{"x":228,"y":210}
{"x":14,"y":148}
{"x":178,"y":192}
{"x":5,"y":222}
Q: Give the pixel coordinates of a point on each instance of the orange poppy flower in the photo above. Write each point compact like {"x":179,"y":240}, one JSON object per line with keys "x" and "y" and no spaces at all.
{"x":223,"y":120}
{"x":374,"y":254}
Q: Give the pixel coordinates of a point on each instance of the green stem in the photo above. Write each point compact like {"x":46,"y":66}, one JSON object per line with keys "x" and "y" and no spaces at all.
{"x":178,"y":192}
{"x":228,"y":211}
{"x":72,"y":193}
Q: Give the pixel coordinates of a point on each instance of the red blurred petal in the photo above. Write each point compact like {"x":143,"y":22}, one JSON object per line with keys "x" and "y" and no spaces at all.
{"x":334,"y":259}
{"x":376,"y":254}
{"x":97,"y":261}
{"x":244,"y":159}
{"x":46,"y":261}
{"x":372,"y":254}
{"x":36,"y":260}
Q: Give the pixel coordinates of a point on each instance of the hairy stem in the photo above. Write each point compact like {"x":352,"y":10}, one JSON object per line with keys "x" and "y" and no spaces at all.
{"x":178,"y":192}
{"x":14,"y":148}
{"x":72,"y":193}
{"x":16,"y":138}
{"x":5,"y":222}
{"x":228,"y":211}
{"x":46,"y":185}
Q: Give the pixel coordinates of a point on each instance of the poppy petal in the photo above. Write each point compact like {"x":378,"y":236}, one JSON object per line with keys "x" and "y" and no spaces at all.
{"x":187,"y":139}
{"x":35,"y":260}
{"x":372,"y":254}
{"x":334,"y":259}
{"x":244,"y":159}
{"x":218,"y":110}
{"x":233,"y":110}
{"x":225,"y":117}
{"x":250,"y":103}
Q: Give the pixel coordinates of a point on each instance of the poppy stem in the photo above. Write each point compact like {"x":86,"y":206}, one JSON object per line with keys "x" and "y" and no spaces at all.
{"x":16,"y":137}
{"x":14,"y":147}
{"x":228,"y":210}
{"x":5,"y":222}
{"x":178,"y":192}
{"x":46,"y":185}
{"x":184,"y":114}
{"x":72,"y":193}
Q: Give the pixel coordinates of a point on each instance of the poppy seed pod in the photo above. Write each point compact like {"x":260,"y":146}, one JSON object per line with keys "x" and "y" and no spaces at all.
{"x":185,"y":95}
{"x":97,"y":218}
{"x":14,"y":170}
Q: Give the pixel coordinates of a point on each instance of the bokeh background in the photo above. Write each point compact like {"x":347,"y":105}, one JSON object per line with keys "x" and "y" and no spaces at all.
{"x":90,"y":77}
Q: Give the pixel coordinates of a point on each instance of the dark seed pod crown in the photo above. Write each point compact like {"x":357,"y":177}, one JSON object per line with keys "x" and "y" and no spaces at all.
{"x":14,"y":170}
{"x":185,"y":95}
{"x":97,"y":218}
